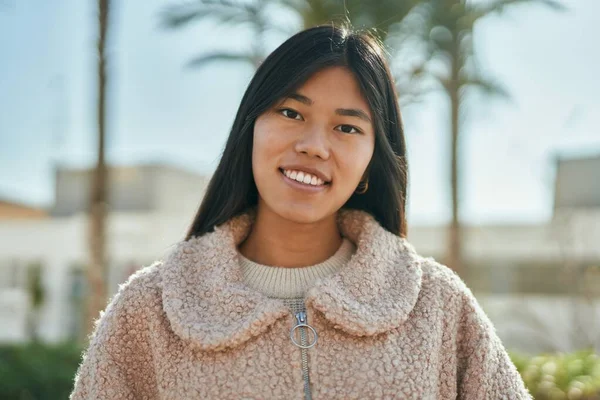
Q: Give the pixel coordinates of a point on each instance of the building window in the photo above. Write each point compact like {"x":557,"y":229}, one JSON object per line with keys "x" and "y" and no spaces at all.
{"x":13,"y":274}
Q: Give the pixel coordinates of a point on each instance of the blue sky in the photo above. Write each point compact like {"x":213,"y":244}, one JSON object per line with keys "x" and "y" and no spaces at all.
{"x":161,"y":111}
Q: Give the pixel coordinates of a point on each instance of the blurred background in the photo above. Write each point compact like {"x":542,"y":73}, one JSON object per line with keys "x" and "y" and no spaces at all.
{"x":113,"y":116}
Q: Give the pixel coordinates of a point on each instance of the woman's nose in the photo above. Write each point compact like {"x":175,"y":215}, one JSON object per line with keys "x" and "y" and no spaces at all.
{"x":314,"y":142}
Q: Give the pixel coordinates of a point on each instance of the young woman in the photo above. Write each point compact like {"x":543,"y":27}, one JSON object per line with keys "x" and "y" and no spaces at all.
{"x":296,"y":280}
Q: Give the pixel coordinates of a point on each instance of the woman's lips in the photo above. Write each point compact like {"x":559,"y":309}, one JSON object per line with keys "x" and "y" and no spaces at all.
{"x":307,"y":170}
{"x":307,"y":188}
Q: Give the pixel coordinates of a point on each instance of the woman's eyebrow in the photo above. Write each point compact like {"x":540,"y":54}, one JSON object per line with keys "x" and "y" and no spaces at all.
{"x":348,"y":112}
{"x":353,"y":112}
{"x":301,"y":98}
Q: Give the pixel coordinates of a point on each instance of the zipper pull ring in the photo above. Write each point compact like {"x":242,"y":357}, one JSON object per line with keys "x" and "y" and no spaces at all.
{"x":301,"y":322}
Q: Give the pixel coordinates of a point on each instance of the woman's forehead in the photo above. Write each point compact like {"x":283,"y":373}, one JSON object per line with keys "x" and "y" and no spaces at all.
{"x":332,"y":84}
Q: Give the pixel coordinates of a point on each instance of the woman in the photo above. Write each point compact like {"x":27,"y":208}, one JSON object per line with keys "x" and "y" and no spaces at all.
{"x":295,"y":279}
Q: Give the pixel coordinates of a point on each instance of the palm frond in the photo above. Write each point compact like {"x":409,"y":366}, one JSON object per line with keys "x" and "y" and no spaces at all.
{"x":415,"y":94}
{"x":487,"y":85}
{"x":481,"y":10}
{"x":177,"y":15}
{"x":205,"y":59}
{"x":297,"y":6}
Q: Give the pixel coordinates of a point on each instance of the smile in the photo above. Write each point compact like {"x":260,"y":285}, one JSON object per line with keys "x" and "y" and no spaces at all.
{"x":292,"y":178}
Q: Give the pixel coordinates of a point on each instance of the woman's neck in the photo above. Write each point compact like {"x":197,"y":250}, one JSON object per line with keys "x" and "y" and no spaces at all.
{"x":276,"y":241}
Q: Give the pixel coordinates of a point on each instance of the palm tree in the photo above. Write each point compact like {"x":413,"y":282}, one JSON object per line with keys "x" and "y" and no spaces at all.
{"x":382,"y":16}
{"x":443,"y":30}
{"x":97,"y":268}
{"x":228,"y":12}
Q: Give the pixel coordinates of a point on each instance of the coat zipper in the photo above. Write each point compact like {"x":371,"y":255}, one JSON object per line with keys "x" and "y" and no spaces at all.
{"x":301,"y":325}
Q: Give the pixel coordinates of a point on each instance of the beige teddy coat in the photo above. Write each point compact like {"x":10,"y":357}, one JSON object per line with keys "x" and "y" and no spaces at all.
{"x":391,"y":325}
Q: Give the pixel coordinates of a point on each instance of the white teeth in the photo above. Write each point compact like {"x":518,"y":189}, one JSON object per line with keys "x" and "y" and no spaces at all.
{"x":305,"y":178}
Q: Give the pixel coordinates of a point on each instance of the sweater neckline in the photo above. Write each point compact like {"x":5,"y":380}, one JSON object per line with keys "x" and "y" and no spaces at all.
{"x":286,"y":283}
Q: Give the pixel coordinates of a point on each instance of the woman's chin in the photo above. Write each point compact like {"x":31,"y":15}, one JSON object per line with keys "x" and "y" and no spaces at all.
{"x":301,"y":213}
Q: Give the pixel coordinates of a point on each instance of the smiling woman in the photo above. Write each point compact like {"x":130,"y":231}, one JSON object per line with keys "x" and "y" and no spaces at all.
{"x":296,"y":279}
{"x":324,"y":103}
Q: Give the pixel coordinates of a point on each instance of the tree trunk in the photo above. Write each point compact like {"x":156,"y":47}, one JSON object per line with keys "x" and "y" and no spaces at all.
{"x":37,"y":295}
{"x":97,"y":266}
{"x":454,"y":243}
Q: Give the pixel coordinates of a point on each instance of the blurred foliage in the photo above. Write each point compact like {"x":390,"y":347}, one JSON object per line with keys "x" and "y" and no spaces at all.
{"x":378,"y":16}
{"x":423,"y":34}
{"x":35,"y":287}
{"x":38,"y":372}
{"x":437,"y":37}
{"x":561,"y":376}
{"x":37,"y":296}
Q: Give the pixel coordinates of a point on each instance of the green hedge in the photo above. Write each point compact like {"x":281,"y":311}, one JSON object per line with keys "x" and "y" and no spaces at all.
{"x":37,"y":371}
{"x":573,"y":376}
{"x":43,"y":372}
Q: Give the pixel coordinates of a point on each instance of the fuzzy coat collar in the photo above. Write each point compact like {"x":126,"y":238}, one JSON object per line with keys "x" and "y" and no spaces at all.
{"x":207,"y":302}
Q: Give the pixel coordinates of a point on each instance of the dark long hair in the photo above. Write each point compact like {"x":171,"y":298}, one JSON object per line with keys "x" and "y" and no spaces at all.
{"x":232,"y":188}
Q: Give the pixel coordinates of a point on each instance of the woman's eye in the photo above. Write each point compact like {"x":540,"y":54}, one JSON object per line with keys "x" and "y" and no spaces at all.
{"x":290,"y":114}
{"x":347,"y":129}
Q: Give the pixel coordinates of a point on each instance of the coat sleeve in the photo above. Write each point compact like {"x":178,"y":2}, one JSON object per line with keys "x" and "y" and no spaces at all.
{"x":485,"y":370}
{"x":118,"y":362}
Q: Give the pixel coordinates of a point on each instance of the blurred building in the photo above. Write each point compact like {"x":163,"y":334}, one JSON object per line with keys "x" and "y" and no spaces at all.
{"x":141,"y":189}
{"x":525,"y":276}
{"x":552,"y":270}
{"x":13,"y":210}
{"x":151,"y":207}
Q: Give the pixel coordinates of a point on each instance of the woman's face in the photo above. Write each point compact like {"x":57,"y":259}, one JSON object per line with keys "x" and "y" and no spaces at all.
{"x":322,"y":135}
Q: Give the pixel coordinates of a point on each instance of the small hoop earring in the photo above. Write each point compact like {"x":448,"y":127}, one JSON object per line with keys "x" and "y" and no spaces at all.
{"x":362,"y":187}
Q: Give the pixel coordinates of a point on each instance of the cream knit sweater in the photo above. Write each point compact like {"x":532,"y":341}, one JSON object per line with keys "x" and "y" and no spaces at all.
{"x":293,"y":283}
{"x":391,"y":325}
